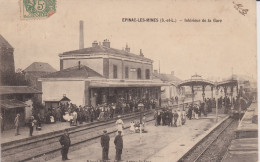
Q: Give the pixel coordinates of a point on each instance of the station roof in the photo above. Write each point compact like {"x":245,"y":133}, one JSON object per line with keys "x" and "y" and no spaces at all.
{"x":228,"y":83}
{"x":167,"y":77}
{"x":196,"y":80}
{"x":103,"y":49}
{"x":80,"y":71}
{"x":125,"y":84}
{"x":40,"y":67}
{"x":18,"y":90}
{"x":9,"y":104}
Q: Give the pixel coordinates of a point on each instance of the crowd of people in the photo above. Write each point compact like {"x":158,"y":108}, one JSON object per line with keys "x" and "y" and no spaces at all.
{"x":177,"y":117}
{"x":78,"y":114}
{"x":169,"y":117}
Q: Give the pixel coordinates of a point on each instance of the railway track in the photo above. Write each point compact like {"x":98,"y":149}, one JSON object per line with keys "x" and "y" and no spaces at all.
{"x":48,"y":146}
{"x":214,"y":145}
{"x":38,"y":147}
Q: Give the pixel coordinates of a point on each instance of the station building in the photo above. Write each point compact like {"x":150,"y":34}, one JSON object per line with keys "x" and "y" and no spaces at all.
{"x":170,"y":90}
{"x":101,"y":74}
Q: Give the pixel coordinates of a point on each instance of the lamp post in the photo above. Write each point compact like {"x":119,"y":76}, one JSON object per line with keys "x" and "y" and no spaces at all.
{"x":141,"y":106}
{"x":239,"y":102}
{"x":183,"y":99}
{"x":203,"y":96}
{"x":216,"y":104}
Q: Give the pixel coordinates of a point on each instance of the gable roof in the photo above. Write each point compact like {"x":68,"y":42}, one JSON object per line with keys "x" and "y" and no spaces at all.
{"x":103,"y":49}
{"x":64,"y":98}
{"x":167,"y":77}
{"x":40,"y":67}
{"x":18,"y":90}
{"x":74,"y":72}
{"x":4,"y":43}
{"x":9,"y":104}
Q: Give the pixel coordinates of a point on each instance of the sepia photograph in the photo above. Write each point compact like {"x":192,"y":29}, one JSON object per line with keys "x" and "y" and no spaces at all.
{"x":130,"y":81}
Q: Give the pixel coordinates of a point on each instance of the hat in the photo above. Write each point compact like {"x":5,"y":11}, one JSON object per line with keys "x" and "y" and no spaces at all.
{"x":66,"y":130}
{"x":119,"y":131}
{"x":119,"y":116}
{"x":105,"y":131}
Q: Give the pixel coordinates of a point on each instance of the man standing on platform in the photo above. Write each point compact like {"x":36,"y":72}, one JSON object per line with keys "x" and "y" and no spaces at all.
{"x":31,"y":125}
{"x":119,"y":145}
{"x":105,"y":145}
{"x":65,"y":144}
{"x":176,"y":99}
{"x":17,"y":124}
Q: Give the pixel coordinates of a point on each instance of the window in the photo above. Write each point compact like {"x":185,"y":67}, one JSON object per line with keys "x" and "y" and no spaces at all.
{"x":126,"y":73}
{"x":114,"y":71}
{"x":139,"y":73}
{"x":147,"y":74}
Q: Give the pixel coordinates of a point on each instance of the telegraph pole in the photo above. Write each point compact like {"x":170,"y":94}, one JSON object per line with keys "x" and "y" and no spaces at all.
{"x":216,"y":104}
{"x":159,"y":67}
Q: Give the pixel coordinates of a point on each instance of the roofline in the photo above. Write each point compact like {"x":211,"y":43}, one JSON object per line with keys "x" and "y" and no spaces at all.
{"x":104,"y":53}
{"x":71,"y":79}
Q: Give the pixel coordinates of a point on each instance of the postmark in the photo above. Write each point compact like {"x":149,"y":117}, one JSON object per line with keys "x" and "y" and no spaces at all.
{"x":37,"y":9}
{"x":240,"y":8}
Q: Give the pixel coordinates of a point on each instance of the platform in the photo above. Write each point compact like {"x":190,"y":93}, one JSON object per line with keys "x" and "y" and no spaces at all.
{"x":161,"y":143}
{"x":245,"y":147}
{"x":240,"y":150}
{"x":248,"y":126}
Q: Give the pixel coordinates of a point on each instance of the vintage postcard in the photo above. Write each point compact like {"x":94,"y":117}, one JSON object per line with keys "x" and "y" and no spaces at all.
{"x":133,"y":80}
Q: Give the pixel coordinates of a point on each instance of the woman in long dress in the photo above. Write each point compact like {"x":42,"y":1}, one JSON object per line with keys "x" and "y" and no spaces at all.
{"x":75,"y":115}
{"x":101,"y":116}
{"x":179,"y":118}
{"x":132,"y":127}
{"x":120,"y":125}
{"x":183,"y":117}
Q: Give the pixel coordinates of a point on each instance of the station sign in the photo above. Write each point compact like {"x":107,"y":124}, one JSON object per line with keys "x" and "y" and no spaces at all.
{"x":133,"y":69}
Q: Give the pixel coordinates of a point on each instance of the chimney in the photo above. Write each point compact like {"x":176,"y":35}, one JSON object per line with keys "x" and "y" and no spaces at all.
{"x":141,"y":53}
{"x":81,"y":34}
{"x":106,"y":43}
{"x":155,"y":71}
{"x":95,"y":44}
{"x":172,"y":73}
{"x":127,"y":49}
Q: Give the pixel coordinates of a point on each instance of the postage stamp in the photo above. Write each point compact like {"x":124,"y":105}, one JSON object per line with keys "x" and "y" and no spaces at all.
{"x":37,"y":9}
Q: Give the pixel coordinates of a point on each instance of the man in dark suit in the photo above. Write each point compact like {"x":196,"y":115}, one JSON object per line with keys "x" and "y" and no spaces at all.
{"x":31,"y":125}
{"x":119,"y":145}
{"x":105,"y":145}
{"x":65,"y":144}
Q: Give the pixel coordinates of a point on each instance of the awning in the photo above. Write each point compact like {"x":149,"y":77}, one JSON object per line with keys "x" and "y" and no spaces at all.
{"x":126,"y":84}
{"x":9,"y":104}
{"x":228,"y":83}
{"x":196,"y":82}
{"x":18,"y":90}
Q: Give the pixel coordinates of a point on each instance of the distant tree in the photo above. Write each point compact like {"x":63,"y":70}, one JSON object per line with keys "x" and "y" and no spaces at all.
{"x":37,"y":106}
{"x":13,"y":79}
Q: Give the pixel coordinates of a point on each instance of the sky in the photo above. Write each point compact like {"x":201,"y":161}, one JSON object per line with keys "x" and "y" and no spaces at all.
{"x":211,"y":49}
